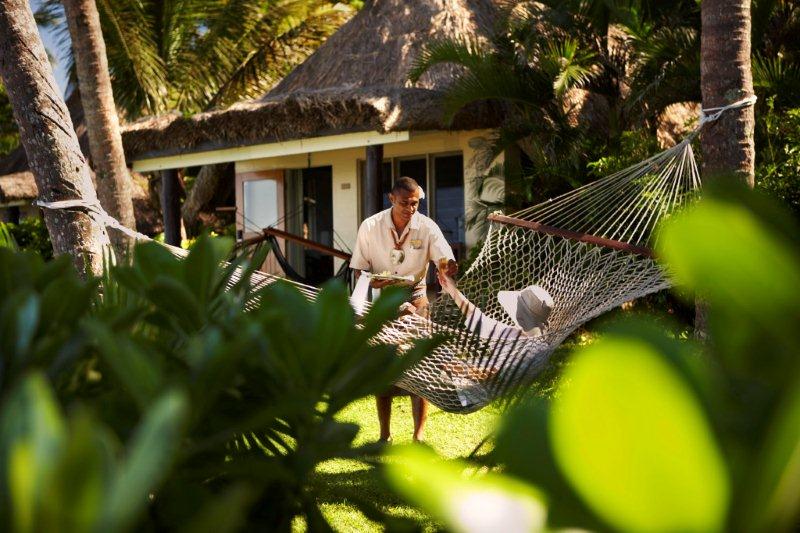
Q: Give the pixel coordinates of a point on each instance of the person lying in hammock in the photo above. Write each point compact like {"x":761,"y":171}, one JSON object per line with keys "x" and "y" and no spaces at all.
{"x":529,"y":309}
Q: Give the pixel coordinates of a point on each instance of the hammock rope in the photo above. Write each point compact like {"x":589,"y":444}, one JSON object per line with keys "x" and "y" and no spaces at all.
{"x":590,"y":248}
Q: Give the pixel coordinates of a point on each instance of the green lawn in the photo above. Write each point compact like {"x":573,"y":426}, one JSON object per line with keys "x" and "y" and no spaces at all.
{"x":450,"y":435}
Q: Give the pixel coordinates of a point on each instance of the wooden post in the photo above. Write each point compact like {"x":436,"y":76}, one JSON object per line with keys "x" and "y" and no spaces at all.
{"x":171,"y":206}
{"x":373,"y":199}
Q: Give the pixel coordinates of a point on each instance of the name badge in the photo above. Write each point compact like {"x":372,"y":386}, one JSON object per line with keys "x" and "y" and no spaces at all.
{"x":416,"y":244}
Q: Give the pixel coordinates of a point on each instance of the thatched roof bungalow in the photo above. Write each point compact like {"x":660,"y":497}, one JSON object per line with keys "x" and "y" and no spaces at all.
{"x":301,"y":152}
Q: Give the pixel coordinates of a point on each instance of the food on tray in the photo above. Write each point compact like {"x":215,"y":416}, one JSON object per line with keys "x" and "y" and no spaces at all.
{"x":386,"y":275}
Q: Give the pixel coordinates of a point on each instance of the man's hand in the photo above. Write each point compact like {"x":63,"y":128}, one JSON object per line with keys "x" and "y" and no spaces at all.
{"x":380,"y":283}
{"x":452,"y":268}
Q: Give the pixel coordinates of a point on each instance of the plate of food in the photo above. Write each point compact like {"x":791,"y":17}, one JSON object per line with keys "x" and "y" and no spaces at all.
{"x":396,"y":279}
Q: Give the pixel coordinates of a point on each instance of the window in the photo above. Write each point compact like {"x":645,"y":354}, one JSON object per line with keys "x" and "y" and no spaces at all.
{"x":448,"y":175}
{"x":260,"y":204}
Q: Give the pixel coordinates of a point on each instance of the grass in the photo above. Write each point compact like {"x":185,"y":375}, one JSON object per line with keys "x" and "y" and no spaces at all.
{"x":337,"y":481}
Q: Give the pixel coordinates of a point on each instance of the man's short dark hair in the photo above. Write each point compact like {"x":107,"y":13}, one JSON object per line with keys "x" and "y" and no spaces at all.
{"x":405,"y":184}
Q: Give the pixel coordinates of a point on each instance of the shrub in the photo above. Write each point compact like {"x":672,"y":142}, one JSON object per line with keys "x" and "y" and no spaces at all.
{"x":158,"y":403}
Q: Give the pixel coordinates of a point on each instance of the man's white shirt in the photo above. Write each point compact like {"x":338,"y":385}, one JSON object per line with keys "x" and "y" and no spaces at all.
{"x":422,"y":242}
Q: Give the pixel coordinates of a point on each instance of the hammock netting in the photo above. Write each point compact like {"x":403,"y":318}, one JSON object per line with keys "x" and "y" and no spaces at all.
{"x":589,"y":248}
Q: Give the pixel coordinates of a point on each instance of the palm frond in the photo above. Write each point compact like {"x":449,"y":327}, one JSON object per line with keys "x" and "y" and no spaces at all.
{"x":276,"y":52}
{"x":773,"y":76}
{"x":138,"y":73}
{"x":467,"y":53}
{"x":6,"y":238}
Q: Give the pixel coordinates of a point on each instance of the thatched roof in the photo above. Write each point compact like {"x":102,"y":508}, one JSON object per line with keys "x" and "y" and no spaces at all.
{"x":380,"y":44}
{"x":303,"y":114}
{"x":356,"y":81}
{"x":17,"y":187}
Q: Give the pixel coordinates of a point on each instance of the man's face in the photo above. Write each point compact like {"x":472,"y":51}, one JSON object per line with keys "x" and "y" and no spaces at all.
{"x":404,"y":203}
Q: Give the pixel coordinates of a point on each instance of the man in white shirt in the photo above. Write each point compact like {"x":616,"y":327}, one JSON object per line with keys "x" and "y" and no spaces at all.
{"x":402,"y":242}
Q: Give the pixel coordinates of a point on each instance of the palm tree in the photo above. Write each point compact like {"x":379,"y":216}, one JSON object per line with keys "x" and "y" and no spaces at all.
{"x":552,"y":60}
{"x":48,"y":136}
{"x":105,"y":140}
{"x":726,"y":74}
{"x":192,"y":55}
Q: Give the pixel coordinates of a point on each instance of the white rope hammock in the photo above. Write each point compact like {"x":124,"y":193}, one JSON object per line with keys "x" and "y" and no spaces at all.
{"x":589,"y":248}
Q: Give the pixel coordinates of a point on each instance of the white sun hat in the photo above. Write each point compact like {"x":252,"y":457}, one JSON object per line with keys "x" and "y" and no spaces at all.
{"x":528,"y":308}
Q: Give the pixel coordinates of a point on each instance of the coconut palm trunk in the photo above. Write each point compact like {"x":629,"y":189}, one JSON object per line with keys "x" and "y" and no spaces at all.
{"x":105,"y":142}
{"x":47,"y":133}
{"x":726,"y":77}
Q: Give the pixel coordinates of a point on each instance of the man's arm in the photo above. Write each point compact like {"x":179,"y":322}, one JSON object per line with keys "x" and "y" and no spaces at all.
{"x":439,"y":248}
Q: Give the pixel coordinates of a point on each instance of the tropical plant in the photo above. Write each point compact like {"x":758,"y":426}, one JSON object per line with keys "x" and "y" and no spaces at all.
{"x":223,"y":411}
{"x":647,"y":431}
{"x":566,"y":73}
{"x":778,"y":159}
{"x":51,"y":144}
{"x":6,"y":237}
{"x":189,"y":56}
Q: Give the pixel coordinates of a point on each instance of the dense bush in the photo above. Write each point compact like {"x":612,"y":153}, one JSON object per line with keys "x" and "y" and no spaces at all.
{"x":150,"y":399}
{"x":31,"y":234}
{"x":778,"y":158}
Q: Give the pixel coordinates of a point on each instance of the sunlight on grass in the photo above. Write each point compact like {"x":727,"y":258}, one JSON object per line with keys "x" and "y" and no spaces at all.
{"x":339,"y":480}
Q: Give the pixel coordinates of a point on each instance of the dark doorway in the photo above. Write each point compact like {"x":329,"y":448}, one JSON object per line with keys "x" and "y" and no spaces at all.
{"x":416,"y":169}
{"x":309,"y":195}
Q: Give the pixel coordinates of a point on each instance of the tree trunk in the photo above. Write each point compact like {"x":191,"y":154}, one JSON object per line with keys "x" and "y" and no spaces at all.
{"x":47,"y":133}
{"x":171,"y":206}
{"x":202,"y":193}
{"x":726,"y":77}
{"x":102,"y":123}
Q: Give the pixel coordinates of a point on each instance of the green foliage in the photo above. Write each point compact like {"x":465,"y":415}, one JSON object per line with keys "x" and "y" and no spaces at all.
{"x":635,"y":146}
{"x":9,"y":136}
{"x":778,"y":156}
{"x":538,"y":57}
{"x":651,"y":432}
{"x":6,"y":238}
{"x":31,"y":234}
{"x":189,"y":56}
{"x":222,"y":410}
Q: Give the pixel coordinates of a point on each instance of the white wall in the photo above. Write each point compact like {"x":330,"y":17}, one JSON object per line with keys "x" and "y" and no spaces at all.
{"x":344,"y":165}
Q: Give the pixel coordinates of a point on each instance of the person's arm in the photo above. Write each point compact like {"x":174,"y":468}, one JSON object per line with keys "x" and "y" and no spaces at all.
{"x":439,"y":248}
{"x":474,"y":318}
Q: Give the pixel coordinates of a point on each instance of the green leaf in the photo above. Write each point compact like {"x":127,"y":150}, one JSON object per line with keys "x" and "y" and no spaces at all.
{"x":136,"y":370}
{"x":633,"y":441}
{"x":226,"y":512}
{"x":150,"y":457}
{"x":730,"y":249}
{"x":483,"y":502}
{"x":76,"y":491}
{"x":31,"y":441}
{"x":770,"y":501}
